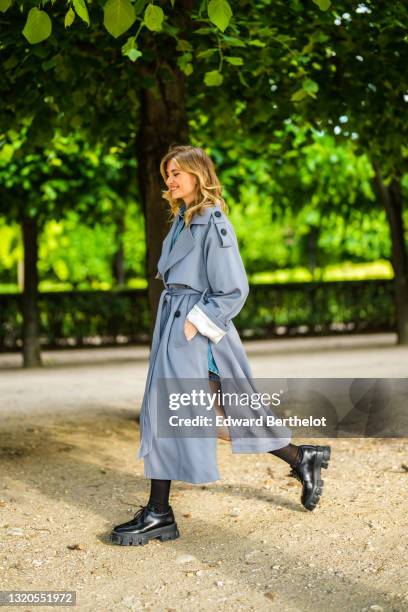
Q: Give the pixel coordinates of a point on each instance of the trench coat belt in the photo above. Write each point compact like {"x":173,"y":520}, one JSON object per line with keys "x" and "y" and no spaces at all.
{"x":168,"y":292}
{"x":163,"y":310}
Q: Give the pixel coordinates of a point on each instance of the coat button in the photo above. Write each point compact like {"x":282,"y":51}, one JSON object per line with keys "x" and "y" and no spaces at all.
{"x":223,"y":231}
{"x":217,"y":213}
{"x":177,"y":313}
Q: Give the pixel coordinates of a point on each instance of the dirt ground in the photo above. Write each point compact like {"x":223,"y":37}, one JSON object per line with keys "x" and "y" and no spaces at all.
{"x":247,"y":543}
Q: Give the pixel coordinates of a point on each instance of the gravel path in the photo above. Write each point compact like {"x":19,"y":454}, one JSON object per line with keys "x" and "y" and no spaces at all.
{"x":68,"y":442}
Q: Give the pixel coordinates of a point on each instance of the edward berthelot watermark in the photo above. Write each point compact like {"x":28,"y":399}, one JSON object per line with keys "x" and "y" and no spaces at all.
{"x":230,"y":421}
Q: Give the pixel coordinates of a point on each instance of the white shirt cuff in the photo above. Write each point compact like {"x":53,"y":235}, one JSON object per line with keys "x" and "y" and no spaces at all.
{"x":204,"y":325}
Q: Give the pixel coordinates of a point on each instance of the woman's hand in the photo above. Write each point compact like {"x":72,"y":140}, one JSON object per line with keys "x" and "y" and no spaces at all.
{"x":190,"y":330}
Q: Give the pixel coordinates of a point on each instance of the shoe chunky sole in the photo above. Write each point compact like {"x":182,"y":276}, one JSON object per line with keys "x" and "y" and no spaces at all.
{"x":322,"y":458}
{"x":169,"y":532}
{"x":322,"y":461}
{"x":325,"y":455}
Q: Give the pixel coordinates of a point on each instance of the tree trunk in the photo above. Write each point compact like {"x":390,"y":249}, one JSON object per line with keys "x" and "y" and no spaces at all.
{"x":163,"y":122}
{"x":118,"y":263}
{"x":31,"y":343}
{"x":391,"y":198}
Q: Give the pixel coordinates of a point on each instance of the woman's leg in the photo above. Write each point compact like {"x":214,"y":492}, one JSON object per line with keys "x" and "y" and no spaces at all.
{"x":159,"y":495}
{"x":291,"y":453}
{"x":155,"y":520}
{"x":306,"y":461}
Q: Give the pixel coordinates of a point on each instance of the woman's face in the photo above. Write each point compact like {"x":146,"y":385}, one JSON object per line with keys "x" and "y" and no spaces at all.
{"x":181,"y":183}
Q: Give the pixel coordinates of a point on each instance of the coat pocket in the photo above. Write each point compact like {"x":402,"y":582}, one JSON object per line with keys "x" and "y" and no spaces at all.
{"x":179,"y":317}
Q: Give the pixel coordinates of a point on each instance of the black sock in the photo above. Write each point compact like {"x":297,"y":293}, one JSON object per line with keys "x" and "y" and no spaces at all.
{"x":291,"y":453}
{"x":159,"y":495}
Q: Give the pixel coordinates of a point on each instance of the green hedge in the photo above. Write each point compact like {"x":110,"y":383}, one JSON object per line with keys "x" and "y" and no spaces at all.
{"x":110,"y":318}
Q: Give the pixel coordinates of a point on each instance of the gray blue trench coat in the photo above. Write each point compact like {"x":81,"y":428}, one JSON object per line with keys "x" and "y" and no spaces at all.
{"x":212,"y":288}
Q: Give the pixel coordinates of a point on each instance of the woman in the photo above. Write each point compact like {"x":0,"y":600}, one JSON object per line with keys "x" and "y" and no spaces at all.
{"x":194,"y":340}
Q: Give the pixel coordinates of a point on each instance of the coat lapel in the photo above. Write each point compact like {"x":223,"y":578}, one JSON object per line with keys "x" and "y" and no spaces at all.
{"x":184,"y":243}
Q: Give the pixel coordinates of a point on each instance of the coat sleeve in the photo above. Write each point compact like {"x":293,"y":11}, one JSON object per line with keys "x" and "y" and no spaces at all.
{"x":227,"y":279}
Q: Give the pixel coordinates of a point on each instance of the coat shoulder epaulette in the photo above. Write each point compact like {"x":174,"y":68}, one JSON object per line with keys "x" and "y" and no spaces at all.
{"x":223,"y":231}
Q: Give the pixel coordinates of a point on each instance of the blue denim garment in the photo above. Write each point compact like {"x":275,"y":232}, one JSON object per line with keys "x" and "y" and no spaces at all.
{"x":212,"y":366}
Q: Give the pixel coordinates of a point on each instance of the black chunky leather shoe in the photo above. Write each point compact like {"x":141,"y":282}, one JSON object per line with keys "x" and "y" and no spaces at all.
{"x":308,"y":473}
{"x":146,"y":525}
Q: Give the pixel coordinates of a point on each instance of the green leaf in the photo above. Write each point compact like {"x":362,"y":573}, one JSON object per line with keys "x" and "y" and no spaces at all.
{"x":81,"y":10}
{"x":220,"y":13}
{"x":130,"y":49}
{"x":11,"y":62}
{"x":322,"y":4}
{"x":129,"y":44}
{"x":299,"y":95}
{"x":119,"y":15}
{"x":69,"y":18}
{"x":134,"y":54}
{"x":257,"y":43}
{"x":235,"y":61}
{"x":6,"y":153}
{"x":38,"y":26}
{"x":78,"y":98}
{"x":284,"y":39}
{"x":319,"y":37}
{"x":153,"y":18}
{"x":310,"y":86}
{"x":49,"y":64}
{"x":183,"y":45}
{"x":203,"y":31}
{"x":213,"y":78}
{"x":207,"y":53}
{"x":184,"y":63}
{"x":4,"y":5}
{"x":234,"y":42}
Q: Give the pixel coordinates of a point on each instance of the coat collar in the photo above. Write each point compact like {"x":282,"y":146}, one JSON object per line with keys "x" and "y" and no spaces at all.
{"x":204,"y":218}
{"x":185,"y":242}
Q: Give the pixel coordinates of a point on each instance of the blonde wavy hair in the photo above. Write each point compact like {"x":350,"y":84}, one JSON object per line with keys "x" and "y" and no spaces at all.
{"x":208,"y":188}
